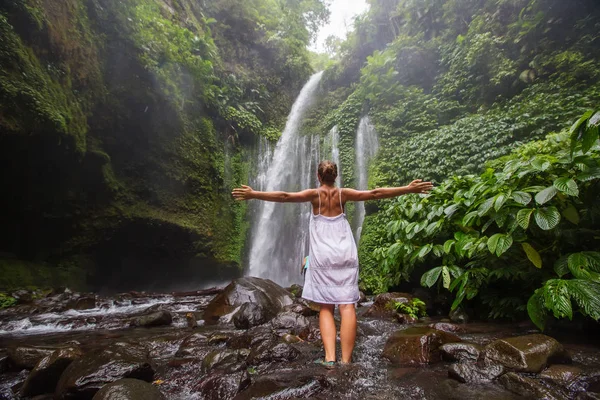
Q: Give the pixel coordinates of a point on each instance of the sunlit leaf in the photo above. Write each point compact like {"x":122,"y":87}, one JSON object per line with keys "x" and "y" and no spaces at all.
{"x":523,"y":217}
{"x":504,"y":243}
{"x":486,"y":206}
{"x":532,"y":255}
{"x":492,"y":242}
{"x":430,"y":277}
{"x":566,"y":185}
{"x":546,"y":195}
{"x":547,"y":218}
{"x":446,"y":277}
{"x":522,"y":198}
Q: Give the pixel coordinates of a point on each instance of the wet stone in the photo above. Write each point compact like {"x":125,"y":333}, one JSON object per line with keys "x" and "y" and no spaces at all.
{"x":300,"y":384}
{"x":529,"y":353}
{"x":250,"y":315}
{"x":223,"y":386}
{"x":447,"y":327}
{"x":383,"y":305}
{"x":270,"y":351}
{"x":289,"y":322}
{"x":82,"y":303}
{"x":4,"y":363}
{"x":303,"y":307}
{"x":27,"y":356}
{"x":228,"y":360}
{"x":86,"y":375}
{"x":262,"y":292}
{"x":416,"y":345}
{"x":153,"y":319}
{"x":474,"y":373}
{"x":193,"y":346}
{"x":524,"y":385}
{"x":405,"y":319}
{"x":129,"y":389}
{"x":44,"y":377}
{"x":561,"y":374}
{"x":460,"y":352}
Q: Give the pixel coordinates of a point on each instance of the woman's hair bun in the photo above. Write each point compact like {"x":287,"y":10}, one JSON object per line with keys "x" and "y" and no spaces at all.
{"x":328,"y":171}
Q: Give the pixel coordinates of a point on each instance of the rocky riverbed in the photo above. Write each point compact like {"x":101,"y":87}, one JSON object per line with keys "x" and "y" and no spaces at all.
{"x":256,"y":340}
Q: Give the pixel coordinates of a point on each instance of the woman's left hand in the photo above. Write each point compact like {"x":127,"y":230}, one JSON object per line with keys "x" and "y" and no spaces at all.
{"x":243,"y":193}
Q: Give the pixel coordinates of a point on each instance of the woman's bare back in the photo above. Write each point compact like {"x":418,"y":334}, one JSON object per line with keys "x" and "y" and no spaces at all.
{"x":331,"y":201}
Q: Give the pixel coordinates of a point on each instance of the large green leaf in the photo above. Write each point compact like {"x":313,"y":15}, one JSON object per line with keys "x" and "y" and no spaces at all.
{"x":566,"y":185}
{"x":589,"y":175}
{"x":522,"y":198}
{"x":504,"y":243}
{"x":430,"y":277}
{"x":448,"y":245}
{"x":537,"y":310}
{"x":557,"y":298}
{"x":499,"y":202}
{"x":579,"y":265}
{"x":547,"y":218}
{"x":532,"y":255}
{"x":486,"y":206}
{"x":523,"y":217}
{"x":546,"y":195}
{"x":450,"y":210}
{"x":576,"y":129}
{"x":492,"y":242}
{"x":587,"y":296}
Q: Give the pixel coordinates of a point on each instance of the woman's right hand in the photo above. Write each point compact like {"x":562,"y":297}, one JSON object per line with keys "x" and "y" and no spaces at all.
{"x":418,"y":186}
{"x":243,"y":193}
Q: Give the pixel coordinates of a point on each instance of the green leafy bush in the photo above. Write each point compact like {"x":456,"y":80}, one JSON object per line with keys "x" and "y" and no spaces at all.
{"x":494,"y":235}
{"x":416,"y":308}
{"x":6,"y":301}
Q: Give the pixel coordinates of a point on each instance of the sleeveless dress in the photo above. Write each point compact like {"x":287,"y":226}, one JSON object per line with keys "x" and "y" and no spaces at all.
{"x":332,"y":277}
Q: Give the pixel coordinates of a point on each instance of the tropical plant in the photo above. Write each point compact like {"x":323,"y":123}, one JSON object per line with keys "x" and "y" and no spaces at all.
{"x":416,"y":308}
{"x":501,"y":229}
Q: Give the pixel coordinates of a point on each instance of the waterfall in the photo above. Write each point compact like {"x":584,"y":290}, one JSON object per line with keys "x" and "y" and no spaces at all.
{"x":367,"y":145}
{"x":279,"y":239}
{"x":332,"y":139}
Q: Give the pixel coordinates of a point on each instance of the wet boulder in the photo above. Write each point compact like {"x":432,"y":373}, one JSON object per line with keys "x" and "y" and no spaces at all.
{"x":262,"y":292}
{"x":303,"y":307}
{"x":405,"y":319}
{"x":157,"y":318}
{"x":416,"y":345}
{"x":447,"y":327}
{"x":529,"y":353}
{"x":193,"y":346}
{"x":82,"y":303}
{"x":4,"y":363}
{"x":86,"y":375}
{"x":223,"y":386}
{"x":27,"y":356}
{"x":460,"y":352}
{"x":384,"y":305}
{"x":562,"y":375}
{"x":250,"y":315}
{"x":43,"y":378}
{"x":303,"y":383}
{"x":475,"y":372}
{"x":527,"y":386}
{"x":295,"y":290}
{"x":270,"y":351}
{"x":289,"y":322}
{"x":228,"y":360}
{"x":129,"y":389}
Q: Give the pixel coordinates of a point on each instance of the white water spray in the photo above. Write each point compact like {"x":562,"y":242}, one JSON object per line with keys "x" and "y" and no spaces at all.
{"x":367,"y":145}
{"x":280,"y":231}
{"x":333,"y":139}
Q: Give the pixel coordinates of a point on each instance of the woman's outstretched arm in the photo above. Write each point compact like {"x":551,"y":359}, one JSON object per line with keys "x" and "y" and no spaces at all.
{"x":247,"y":193}
{"x":416,"y":186}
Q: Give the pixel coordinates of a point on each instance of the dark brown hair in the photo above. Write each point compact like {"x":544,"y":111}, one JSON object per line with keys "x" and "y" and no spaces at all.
{"x":327,"y":171}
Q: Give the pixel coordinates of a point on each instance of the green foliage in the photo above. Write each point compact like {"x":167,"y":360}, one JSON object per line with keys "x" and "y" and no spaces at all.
{"x":6,"y":301}
{"x":416,"y":308}
{"x":503,"y":227}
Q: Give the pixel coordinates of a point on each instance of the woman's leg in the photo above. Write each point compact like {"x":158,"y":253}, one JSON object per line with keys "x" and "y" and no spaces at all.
{"x":347,"y":331}
{"x":327,"y":325}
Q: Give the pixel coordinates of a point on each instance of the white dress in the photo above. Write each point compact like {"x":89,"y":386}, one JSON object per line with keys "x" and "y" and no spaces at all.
{"x":332,"y":275}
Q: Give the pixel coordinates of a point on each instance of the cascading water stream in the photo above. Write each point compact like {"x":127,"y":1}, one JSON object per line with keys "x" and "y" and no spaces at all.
{"x":280,"y":231}
{"x":367,"y":145}
{"x":333,"y":140}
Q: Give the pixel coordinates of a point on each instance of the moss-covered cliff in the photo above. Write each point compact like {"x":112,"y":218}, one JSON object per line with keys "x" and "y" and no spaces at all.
{"x":123,"y":127}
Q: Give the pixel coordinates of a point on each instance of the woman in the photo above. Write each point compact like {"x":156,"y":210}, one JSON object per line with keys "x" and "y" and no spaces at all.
{"x":332,"y":278}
